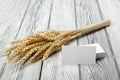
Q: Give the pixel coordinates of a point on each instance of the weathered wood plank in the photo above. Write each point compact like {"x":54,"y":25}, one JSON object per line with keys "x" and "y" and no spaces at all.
{"x":16,"y":19}
{"x":11,"y":17}
{"x":62,"y":18}
{"x":37,"y":18}
{"x":87,"y":12}
{"x":110,"y":9}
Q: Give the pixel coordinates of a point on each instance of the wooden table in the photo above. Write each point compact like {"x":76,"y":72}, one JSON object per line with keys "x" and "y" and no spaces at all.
{"x":21,"y":17}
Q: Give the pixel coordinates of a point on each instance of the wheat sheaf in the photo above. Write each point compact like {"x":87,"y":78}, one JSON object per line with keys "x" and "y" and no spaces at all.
{"x":42,"y":44}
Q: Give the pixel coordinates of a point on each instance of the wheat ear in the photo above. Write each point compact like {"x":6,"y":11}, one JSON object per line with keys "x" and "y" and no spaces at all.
{"x":43,"y":48}
{"x":55,"y":47}
{"x":28,"y":54}
{"x":28,"y":45}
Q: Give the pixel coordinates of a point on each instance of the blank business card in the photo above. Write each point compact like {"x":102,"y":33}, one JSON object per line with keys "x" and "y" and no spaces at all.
{"x":100,"y":52}
{"x":78,"y":55}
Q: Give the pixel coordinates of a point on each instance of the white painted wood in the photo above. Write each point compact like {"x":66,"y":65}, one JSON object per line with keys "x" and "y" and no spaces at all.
{"x":37,"y":17}
{"x":11,"y":17}
{"x":110,"y":9}
{"x":21,"y":17}
{"x":87,"y":13}
{"x":62,"y":18}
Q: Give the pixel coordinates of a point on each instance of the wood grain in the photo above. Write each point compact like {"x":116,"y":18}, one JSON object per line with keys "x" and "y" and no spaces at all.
{"x":110,"y":9}
{"x":62,"y":18}
{"x":22,"y":17}
{"x":87,"y":13}
{"x":37,"y":18}
{"x":11,"y":17}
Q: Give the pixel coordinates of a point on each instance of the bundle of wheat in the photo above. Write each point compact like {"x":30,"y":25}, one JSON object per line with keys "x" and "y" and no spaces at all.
{"x":42,"y":44}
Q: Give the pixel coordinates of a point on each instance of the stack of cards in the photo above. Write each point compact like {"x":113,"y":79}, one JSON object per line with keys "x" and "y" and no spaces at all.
{"x":83,"y":54}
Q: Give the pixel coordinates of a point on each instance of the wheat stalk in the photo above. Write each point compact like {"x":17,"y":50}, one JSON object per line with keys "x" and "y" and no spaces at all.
{"x":42,"y":44}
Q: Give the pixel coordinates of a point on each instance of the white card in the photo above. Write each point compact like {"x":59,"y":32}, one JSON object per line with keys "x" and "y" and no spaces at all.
{"x":78,"y":55}
{"x":100,"y":53}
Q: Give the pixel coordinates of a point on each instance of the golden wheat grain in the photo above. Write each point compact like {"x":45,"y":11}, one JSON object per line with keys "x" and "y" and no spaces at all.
{"x":50,"y":34}
{"x":32,"y":39}
{"x":43,"y":48}
{"x":57,"y":38}
{"x":55,"y":46}
{"x":11,"y":56}
{"x":46,"y":35}
{"x":21,"y":40}
{"x":16,"y":41}
{"x":17,"y":51}
{"x":10,"y":49}
{"x":27,"y":48}
{"x":50,"y":51}
{"x":20,"y":47}
{"x":40,"y":37}
{"x":40,"y":56}
{"x":28,"y":54}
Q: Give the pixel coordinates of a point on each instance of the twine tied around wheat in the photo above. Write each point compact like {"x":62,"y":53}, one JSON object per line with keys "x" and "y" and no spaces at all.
{"x":42,"y":44}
